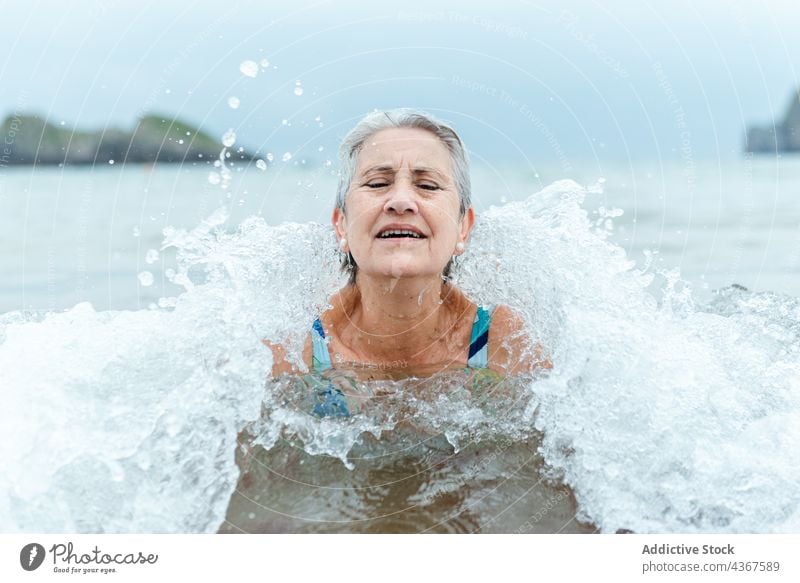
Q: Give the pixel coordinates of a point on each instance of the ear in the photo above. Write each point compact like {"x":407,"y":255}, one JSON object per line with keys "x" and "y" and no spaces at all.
{"x":339,"y":223}
{"x":467,"y":222}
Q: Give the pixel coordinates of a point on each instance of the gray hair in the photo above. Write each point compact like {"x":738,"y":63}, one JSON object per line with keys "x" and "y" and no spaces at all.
{"x":376,"y":121}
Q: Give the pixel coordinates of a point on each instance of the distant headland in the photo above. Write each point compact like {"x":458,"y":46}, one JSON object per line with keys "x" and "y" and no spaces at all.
{"x":782,"y":137}
{"x":30,"y":139}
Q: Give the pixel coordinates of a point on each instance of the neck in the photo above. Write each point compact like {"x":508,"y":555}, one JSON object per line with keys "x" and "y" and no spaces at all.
{"x":405,"y":319}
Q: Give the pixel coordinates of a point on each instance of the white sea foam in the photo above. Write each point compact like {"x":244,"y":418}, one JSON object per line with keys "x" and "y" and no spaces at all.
{"x":661,"y":415}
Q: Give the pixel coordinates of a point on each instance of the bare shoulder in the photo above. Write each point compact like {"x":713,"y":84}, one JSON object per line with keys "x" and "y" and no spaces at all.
{"x":280,"y":364}
{"x":511,"y":349}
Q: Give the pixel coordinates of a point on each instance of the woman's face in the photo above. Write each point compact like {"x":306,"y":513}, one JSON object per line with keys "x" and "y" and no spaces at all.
{"x":403,"y":181}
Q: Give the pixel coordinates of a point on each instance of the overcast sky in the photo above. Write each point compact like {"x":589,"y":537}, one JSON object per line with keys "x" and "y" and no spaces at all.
{"x":555,"y":81}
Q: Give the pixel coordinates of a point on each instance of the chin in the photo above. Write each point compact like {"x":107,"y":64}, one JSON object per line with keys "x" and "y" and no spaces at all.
{"x":401,"y":270}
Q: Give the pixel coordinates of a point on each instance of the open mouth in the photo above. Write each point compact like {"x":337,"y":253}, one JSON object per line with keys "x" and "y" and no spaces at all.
{"x":400,"y":234}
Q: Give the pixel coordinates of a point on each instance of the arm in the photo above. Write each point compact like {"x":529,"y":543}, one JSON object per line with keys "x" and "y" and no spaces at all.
{"x":511,"y":351}
{"x":348,"y":386}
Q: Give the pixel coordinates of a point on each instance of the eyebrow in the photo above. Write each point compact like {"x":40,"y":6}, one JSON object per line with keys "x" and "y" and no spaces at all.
{"x":416,"y":170}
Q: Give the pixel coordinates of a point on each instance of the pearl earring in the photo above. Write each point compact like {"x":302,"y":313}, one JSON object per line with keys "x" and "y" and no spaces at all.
{"x":342,"y":243}
{"x":460,"y":246}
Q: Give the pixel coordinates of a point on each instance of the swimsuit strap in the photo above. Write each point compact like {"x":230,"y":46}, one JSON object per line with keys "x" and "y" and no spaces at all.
{"x":478,"y":345}
{"x":331,"y":402}
{"x":479,"y":341}
{"x":322,"y":356}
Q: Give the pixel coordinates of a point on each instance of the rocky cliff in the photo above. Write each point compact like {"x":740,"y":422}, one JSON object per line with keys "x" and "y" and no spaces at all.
{"x":782,"y":137}
{"x":29,"y":139}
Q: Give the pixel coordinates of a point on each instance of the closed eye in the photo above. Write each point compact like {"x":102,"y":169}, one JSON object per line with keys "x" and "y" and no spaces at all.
{"x":384,"y":184}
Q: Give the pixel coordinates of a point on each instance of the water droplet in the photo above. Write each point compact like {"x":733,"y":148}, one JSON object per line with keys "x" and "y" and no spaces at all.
{"x":261,"y":165}
{"x":180,"y":141}
{"x":318,"y":118}
{"x":233,"y":102}
{"x":249,"y":68}
{"x":251,"y":515}
{"x":285,"y":122}
{"x":214,"y":178}
{"x":136,"y":232}
{"x":320,"y":148}
{"x":327,"y":163}
{"x":286,"y":156}
{"x":146,"y":278}
{"x":264,"y":63}
{"x":111,"y":162}
{"x":151,"y":256}
{"x":298,"y":88}
{"x":270,"y":156}
{"x":229,"y":138}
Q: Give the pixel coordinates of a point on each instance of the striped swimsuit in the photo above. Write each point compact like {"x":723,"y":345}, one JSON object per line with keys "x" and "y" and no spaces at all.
{"x":331,"y":400}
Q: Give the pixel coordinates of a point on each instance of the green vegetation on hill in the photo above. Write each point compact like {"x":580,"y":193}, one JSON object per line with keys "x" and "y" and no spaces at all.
{"x":29,"y":139}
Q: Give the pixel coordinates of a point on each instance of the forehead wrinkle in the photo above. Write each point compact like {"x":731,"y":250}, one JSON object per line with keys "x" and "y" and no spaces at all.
{"x":391,"y":168}
{"x":388,"y":152}
{"x":428,"y":170}
{"x":378,"y":168}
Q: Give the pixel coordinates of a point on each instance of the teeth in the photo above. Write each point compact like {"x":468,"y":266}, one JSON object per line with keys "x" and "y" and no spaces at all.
{"x":386,"y":234}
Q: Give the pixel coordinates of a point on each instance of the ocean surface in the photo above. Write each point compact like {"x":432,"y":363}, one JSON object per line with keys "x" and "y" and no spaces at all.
{"x":134,"y":299}
{"x":83,"y":234}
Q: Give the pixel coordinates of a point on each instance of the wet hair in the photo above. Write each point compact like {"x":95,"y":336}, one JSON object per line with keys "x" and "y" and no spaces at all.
{"x":376,"y":121}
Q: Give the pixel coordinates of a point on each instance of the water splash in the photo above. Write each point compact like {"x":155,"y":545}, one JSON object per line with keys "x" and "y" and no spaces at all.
{"x":660,"y":414}
{"x":229,"y":138}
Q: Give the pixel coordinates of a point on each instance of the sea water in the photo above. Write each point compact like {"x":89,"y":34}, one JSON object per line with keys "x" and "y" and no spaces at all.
{"x":87,"y":234}
{"x":425,"y":449}
{"x":663,"y":412}
{"x":437,"y":454}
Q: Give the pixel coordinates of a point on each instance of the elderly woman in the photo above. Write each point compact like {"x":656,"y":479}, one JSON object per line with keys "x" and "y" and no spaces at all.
{"x":403,"y":213}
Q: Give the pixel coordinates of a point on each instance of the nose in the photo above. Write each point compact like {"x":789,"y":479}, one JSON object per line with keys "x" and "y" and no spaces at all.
{"x":401,"y":197}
